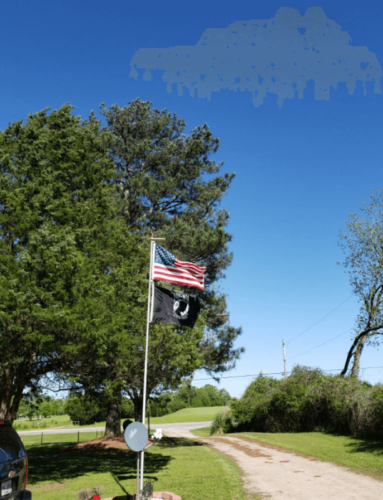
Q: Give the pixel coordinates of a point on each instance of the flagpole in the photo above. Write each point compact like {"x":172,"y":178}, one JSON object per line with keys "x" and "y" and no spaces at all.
{"x":148,"y":318}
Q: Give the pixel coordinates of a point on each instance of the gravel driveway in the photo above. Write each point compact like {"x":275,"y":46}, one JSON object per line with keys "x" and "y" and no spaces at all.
{"x":285,"y":475}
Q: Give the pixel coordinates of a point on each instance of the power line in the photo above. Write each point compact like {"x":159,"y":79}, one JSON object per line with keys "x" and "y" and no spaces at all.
{"x":239,"y":376}
{"x":281,"y":373}
{"x":312,"y":326}
{"x":320,"y":345}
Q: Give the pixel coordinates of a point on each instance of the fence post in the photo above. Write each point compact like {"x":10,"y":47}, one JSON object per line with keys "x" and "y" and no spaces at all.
{"x":42,"y":434}
{"x":78,"y":436}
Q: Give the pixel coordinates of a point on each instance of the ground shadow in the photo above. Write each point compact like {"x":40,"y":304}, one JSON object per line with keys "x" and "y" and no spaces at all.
{"x":167,"y":442}
{"x":57,"y":463}
{"x":361,"y":445}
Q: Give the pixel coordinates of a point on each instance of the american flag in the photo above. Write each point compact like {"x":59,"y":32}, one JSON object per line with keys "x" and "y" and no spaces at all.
{"x":167,"y":267}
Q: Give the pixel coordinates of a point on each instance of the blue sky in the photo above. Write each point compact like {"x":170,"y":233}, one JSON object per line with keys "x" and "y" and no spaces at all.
{"x":303,"y":165}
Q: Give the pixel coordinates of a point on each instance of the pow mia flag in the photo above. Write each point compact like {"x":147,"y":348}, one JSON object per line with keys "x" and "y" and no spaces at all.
{"x":175,"y":308}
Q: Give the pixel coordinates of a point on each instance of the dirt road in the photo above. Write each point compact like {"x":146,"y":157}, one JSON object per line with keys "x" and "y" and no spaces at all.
{"x":284,"y":475}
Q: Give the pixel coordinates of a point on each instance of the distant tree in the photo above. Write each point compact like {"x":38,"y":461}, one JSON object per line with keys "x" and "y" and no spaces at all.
{"x":82,"y":408}
{"x":362,"y":243}
{"x":46,"y":409}
{"x":159,"y":404}
{"x":30,"y":404}
{"x":190,"y":396}
{"x":57,"y":406}
{"x":127,"y":408}
{"x":225,"y":397}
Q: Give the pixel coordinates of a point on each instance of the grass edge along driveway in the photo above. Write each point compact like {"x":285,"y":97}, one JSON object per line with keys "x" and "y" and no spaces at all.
{"x":184,"y":466}
{"x":361,"y":455}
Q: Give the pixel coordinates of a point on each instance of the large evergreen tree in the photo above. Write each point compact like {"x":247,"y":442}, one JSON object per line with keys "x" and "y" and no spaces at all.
{"x":55,"y":204}
{"x":166,"y":182}
{"x":74,"y":263}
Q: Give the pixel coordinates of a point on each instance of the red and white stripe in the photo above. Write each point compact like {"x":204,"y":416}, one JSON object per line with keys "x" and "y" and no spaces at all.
{"x":184,"y":273}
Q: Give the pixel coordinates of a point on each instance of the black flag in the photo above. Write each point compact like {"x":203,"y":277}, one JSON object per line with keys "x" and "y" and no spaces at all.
{"x":175,"y":308}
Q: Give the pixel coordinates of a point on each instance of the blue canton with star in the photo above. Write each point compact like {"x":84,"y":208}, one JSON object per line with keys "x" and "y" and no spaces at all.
{"x":164,"y":257}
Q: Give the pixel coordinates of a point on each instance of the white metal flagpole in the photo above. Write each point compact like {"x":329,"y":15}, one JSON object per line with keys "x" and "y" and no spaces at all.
{"x":152,"y":249}
{"x":148,"y":319}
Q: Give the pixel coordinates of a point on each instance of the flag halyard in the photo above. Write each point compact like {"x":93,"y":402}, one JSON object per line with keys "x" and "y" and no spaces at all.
{"x":167,"y":267}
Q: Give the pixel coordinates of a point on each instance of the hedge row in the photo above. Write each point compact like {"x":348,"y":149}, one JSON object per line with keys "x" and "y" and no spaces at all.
{"x":307,"y":401}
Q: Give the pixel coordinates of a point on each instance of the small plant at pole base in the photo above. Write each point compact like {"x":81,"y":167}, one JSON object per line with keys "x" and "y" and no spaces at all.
{"x":147,"y":491}
{"x":90,"y":493}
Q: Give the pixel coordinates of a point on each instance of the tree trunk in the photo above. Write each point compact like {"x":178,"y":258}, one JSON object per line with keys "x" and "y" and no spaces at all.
{"x":357,"y":355}
{"x":137,"y":402}
{"x":113,"y":419}
{"x":10,"y":396}
{"x":351,"y":351}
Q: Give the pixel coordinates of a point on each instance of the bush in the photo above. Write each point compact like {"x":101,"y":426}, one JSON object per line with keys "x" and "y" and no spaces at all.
{"x":308,"y":401}
{"x":82,"y":409}
{"x":222,"y":423}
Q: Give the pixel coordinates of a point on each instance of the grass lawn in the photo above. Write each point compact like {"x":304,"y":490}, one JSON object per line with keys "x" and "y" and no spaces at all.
{"x":194,"y":471}
{"x":201,"y":432}
{"x":189,"y":415}
{"x":73,"y":437}
{"x":186,"y":415}
{"x":362,"y":455}
{"x":43,"y":423}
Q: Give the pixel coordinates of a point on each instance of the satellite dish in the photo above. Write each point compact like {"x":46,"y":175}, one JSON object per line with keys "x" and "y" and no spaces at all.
{"x":136,"y":436}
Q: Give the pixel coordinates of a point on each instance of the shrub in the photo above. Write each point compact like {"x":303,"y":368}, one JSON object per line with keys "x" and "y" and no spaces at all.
{"x":82,"y":409}
{"x":222,"y":423}
{"x":307,"y":401}
{"x":87,"y":493}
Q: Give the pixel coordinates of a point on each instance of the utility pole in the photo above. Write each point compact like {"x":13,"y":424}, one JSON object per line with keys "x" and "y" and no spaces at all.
{"x":284,"y":357}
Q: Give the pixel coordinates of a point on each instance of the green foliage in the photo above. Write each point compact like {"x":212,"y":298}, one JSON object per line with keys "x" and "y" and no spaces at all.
{"x":188,"y":396}
{"x":208,"y":395}
{"x":127,"y":408}
{"x":88,"y":408}
{"x":84,"y":409}
{"x":166,"y":181}
{"x":221,"y":423}
{"x":158,"y":406}
{"x":30,"y":404}
{"x":54,"y":206}
{"x":307,"y":401}
{"x":77,"y":204}
{"x":362,"y":243}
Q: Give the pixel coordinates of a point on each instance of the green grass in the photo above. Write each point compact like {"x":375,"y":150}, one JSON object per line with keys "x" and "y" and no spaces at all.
{"x":194,"y":471}
{"x":186,"y":415}
{"x":73,"y":437}
{"x":201,"y":432}
{"x":362,"y":455}
{"x":190,"y":415}
{"x":44,"y":423}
